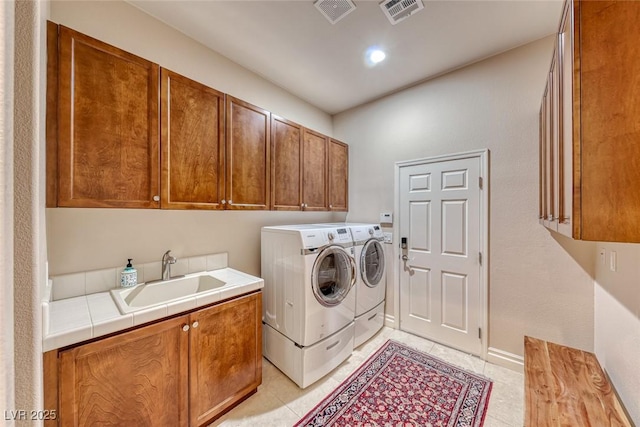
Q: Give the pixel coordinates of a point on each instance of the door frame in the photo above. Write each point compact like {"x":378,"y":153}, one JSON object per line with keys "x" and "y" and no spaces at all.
{"x":483,"y":156}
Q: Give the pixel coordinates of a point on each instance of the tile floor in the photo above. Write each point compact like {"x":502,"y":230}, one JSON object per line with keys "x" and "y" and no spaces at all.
{"x":280,"y":402}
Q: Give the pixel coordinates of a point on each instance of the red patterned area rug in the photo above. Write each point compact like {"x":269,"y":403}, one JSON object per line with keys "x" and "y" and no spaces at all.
{"x":401,"y":386}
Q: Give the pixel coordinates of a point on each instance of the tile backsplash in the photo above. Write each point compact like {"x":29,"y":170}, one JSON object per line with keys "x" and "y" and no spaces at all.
{"x":92,"y":282}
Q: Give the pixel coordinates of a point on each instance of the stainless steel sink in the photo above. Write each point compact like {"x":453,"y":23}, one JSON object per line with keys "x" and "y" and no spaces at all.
{"x":162,"y":292}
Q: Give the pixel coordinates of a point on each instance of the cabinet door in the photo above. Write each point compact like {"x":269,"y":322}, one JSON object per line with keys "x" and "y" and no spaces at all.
{"x":542,"y":166}
{"x":548,"y":152}
{"x":137,"y":378}
{"x":248,"y":145}
{"x":554,"y":80}
{"x":107,"y":126}
{"x":565,"y":119}
{"x":192,"y":144}
{"x":544,"y":187}
{"x":609,"y":66}
{"x":226,"y":356}
{"x":338,"y":176}
{"x":286,"y":164}
{"x":314,"y":169}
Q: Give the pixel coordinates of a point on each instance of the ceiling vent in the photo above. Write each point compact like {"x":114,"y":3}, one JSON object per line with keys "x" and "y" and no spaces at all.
{"x":399,"y":10}
{"x":334,"y":10}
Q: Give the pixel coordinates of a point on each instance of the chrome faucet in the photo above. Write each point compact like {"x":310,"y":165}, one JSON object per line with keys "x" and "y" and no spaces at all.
{"x":167,"y":260}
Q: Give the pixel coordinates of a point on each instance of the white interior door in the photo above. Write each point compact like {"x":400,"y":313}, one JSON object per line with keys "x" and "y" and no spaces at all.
{"x":441,"y":286}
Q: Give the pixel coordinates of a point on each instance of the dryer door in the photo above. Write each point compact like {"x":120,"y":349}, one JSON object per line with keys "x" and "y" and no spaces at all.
{"x":334,"y":273}
{"x":372,"y":263}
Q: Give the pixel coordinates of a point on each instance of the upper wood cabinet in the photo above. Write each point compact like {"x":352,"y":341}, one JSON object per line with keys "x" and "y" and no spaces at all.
{"x":314,"y":170}
{"x":286,"y":164}
{"x":108,"y":152}
{"x":338,"y":176}
{"x":248,"y":145}
{"x":595,"y":146}
{"x":124,"y":133}
{"x":192,"y":141}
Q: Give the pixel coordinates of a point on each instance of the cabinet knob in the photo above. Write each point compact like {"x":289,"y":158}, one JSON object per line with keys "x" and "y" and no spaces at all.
{"x":230,"y":201}
{"x":185,"y":328}
{"x":223,"y":201}
{"x":156,"y":198}
{"x":195,"y":324}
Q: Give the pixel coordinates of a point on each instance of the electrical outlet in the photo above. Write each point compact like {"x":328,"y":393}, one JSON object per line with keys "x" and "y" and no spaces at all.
{"x":388,"y":237}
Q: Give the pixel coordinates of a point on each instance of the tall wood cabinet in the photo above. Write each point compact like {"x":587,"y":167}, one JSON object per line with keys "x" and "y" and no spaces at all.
{"x":247,"y":162}
{"x":314,"y":171}
{"x":107,"y":125}
{"x":192,"y":141}
{"x":590,"y":140}
{"x":338,"y":176}
{"x":184,"y":371}
{"x":286,"y":164}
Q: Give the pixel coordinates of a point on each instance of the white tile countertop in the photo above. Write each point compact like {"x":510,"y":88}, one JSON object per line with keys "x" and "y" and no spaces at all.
{"x":73,"y":320}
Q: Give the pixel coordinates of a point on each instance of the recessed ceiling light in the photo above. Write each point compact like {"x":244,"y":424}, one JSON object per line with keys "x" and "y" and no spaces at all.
{"x":374,"y":55}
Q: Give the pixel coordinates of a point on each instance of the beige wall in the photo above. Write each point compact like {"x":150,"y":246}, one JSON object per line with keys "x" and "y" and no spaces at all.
{"x":617,"y":320}
{"x":85,"y":239}
{"x":540,"y":284}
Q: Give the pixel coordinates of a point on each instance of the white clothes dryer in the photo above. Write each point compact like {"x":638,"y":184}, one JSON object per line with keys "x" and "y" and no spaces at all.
{"x":309,"y":276}
{"x":371,"y":283}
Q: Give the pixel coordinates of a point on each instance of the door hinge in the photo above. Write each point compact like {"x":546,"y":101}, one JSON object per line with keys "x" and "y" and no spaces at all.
{"x":480,"y":257}
{"x":480,"y":182}
{"x":479,"y":333}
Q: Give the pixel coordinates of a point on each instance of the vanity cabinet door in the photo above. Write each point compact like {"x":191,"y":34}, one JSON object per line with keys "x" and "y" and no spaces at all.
{"x":108,"y":145}
{"x":192,"y":144}
{"x":314,"y":167}
{"x":338,"y":176}
{"x":247,"y":155}
{"x":137,"y":378}
{"x":226,"y":356}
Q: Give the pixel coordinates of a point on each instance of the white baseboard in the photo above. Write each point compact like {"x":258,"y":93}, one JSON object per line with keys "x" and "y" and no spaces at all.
{"x":505,"y":359}
{"x":390,"y":321}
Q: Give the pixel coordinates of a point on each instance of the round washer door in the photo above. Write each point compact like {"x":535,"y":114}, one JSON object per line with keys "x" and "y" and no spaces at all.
{"x":333,"y":276}
{"x":372,"y":263}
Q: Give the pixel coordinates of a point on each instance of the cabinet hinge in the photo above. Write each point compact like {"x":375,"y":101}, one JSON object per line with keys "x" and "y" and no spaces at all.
{"x":480,"y":182}
{"x":480,"y":258}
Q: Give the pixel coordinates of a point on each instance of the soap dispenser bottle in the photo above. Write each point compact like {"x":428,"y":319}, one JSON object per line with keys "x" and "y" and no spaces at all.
{"x":129,"y":276}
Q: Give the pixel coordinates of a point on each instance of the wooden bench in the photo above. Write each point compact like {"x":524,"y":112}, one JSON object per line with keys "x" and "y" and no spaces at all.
{"x":565,"y":386}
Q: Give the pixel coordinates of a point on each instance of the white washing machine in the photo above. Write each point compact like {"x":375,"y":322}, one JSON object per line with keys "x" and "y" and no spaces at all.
{"x":308,"y":311}
{"x":371,"y":283}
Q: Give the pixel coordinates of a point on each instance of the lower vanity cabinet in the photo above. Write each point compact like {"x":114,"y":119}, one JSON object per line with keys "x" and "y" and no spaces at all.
{"x":184,"y":371}
{"x":225,"y":362}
